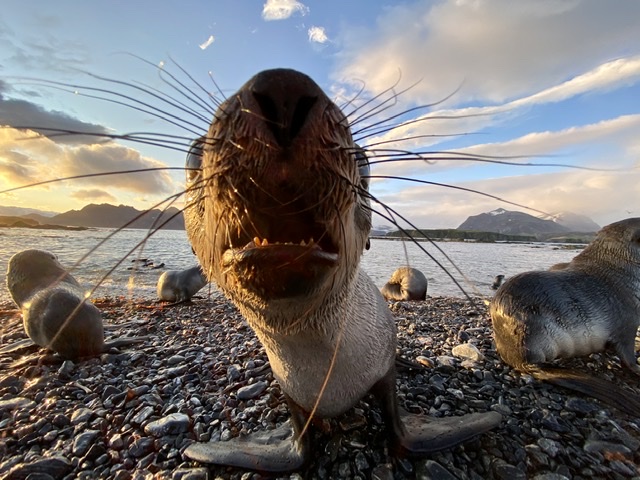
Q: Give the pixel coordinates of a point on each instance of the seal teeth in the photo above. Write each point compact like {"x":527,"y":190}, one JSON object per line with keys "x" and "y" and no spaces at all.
{"x":260,"y":243}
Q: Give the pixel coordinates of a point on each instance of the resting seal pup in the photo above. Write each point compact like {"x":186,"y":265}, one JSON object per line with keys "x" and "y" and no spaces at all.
{"x":280,"y":218}
{"x":406,"y":283}
{"x":180,"y":285}
{"x":56,"y":312}
{"x":576,"y":309}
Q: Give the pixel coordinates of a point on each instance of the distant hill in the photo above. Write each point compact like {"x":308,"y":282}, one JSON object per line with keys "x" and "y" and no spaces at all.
{"x":520,"y":223}
{"x":573,"y":221}
{"x":111,"y":216}
{"x":100,"y":216}
{"x":24,"y":212}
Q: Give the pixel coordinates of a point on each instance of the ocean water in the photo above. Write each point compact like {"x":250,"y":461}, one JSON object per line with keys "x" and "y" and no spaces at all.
{"x":90,"y":261}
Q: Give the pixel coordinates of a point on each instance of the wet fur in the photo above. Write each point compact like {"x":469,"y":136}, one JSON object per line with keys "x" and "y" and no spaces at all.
{"x":576,"y":309}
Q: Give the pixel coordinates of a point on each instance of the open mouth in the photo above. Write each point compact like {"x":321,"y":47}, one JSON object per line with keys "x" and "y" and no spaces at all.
{"x":290,"y":259}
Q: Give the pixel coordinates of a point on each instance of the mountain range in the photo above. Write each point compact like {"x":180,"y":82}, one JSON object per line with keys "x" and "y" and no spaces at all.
{"x":104,"y":216}
{"x":520,"y":223}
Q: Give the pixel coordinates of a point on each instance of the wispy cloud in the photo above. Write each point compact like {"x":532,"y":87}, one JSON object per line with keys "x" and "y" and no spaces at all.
{"x":317,"y":35}
{"x":204,"y":45}
{"x":602,"y":78}
{"x":282,"y":9}
{"x":500,"y":49}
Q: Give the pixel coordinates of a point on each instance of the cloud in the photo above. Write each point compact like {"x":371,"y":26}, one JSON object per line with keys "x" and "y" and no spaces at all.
{"x":615,"y":139}
{"x":282,"y":9}
{"x":94,"y":195}
{"x":605,"y":197}
{"x":501,"y":49}
{"x":52,"y":123}
{"x":317,"y":35}
{"x":26,"y":157}
{"x":207,"y":42}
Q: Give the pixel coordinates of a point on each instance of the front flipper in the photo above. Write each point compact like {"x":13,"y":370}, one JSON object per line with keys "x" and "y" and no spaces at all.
{"x":419,"y":434}
{"x":424,"y":434}
{"x":278,"y":450}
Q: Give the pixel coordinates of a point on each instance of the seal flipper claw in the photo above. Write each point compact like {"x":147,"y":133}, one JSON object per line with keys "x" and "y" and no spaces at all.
{"x":269,"y":451}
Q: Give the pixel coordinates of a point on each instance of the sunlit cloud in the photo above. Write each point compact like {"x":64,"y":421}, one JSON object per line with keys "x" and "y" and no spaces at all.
{"x":604,"y":197}
{"x":26,"y":157}
{"x":317,"y":35}
{"x":94,"y":195}
{"x":282,"y":9}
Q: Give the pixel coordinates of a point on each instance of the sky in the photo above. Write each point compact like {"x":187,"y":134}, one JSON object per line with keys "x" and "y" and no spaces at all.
{"x":534,"y":82}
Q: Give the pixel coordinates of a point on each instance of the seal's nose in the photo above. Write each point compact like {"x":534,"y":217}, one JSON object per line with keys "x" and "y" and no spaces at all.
{"x":285,"y":98}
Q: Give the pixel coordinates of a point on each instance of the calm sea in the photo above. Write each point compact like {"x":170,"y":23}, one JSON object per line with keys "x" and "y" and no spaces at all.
{"x":480,"y":262}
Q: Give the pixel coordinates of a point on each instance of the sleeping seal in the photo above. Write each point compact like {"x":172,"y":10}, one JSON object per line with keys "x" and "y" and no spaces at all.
{"x":280,"y":218}
{"x":406,"y":283}
{"x":56,"y":312}
{"x":180,"y":285}
{"x":576,"y":309}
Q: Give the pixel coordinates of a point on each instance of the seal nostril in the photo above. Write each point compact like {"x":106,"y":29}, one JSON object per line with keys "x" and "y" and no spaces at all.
{"x":300,"y":114}
{"x":283,"y":123}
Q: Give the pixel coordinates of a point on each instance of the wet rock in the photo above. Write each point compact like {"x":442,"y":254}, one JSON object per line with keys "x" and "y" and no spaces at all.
{"x":251,"y":391}
{"x":17,"y":402}
{"x":83,"y":441}
{"x":468,"y":351}
{"x":55,"y":466}
{"x":172,"y":424}
{"x":190,"y":474}
{"x":432,"y":470}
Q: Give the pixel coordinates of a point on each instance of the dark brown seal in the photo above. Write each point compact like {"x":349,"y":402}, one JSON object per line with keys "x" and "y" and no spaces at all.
{"x":55,"y":309}
{"x":180,"y":285}
{"x":281,"y":216}
{"x":406,"y":283}
{"x":576,"y":309}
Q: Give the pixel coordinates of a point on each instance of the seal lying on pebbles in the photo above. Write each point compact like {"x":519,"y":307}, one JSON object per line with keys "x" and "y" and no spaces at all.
{"x":280,"y":218}
{"x":55,"y":310}
{"x":181,"y":285}
{"x":406,"y":283}
{"x":576,"y":309}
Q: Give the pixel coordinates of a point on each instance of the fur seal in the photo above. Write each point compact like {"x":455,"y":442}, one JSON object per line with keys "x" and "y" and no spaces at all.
{"x":56,"y":312}
{"x":406,"y":283}
{"x":576,"y":309}
{"x":280,"y":216}
{"x":497,"y":282}
{"x":180,"y":285}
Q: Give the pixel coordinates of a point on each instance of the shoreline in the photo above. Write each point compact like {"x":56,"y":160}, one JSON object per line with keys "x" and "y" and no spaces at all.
{"x":129,"y":413}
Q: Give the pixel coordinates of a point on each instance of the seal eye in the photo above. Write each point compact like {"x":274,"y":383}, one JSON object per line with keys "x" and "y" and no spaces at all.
{"x":363,"y":167}
{"x":194,"y":159}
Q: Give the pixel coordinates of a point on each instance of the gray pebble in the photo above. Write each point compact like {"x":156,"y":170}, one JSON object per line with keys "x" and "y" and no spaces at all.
{"x":17,"y":402}
{"x":190,"y":474}
{"x":172,"y":424}
{"x":432,"y":470}
{"x":468,"y":351}
{"x":83,"y":441}
{"x":81,"y":415}
{"x":251,"y":391}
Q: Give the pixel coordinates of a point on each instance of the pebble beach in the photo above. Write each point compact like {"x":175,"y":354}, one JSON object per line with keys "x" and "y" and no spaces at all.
{"x":202,"y":375}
